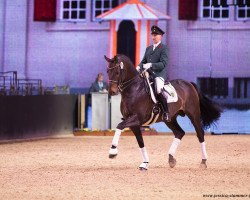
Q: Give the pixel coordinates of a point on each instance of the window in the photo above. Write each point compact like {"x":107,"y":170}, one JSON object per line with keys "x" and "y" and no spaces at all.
{"x":242,"y":88}
{"x":101,"y":6}
{"x":242,"y":9}
{"x":214,"y":87}
{"x":73,"y":10}
{"x":215,"y":9}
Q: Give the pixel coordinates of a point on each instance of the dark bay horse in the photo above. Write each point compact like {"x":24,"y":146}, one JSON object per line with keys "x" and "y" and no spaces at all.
{"x":136,"y":108}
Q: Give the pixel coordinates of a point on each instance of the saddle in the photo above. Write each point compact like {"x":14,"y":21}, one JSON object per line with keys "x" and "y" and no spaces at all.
{"x":168,"y":90}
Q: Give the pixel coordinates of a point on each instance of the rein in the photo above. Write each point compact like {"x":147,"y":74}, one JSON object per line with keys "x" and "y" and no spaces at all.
{"x":122,"y":85}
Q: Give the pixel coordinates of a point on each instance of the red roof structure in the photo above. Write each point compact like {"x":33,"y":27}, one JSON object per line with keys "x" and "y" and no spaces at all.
{"x":133,"y":10}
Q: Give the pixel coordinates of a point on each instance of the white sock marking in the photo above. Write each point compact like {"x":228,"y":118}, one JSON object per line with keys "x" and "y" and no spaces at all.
{"x":116,"y":137}
{"x":203,"y":150}
{"x":174,"y":146}
{"x":144,"y":154}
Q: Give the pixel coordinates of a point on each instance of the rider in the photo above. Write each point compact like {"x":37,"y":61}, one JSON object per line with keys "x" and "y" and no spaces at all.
{"x":155,"y":59}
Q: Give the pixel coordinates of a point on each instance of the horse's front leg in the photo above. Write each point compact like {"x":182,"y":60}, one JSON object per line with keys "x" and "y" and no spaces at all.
{"x":145,"y":159}
{"x":113,"y":151}
{"x":131,"y":121}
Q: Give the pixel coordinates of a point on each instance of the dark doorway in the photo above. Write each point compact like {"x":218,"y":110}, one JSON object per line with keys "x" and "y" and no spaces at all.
{"x":126,"y":37}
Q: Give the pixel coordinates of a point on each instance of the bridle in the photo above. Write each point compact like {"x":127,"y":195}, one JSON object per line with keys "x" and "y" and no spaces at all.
{"x":121,"y":84}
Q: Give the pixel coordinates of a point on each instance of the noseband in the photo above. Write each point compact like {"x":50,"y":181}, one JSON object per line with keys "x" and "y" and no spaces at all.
{"x":121,"y":84}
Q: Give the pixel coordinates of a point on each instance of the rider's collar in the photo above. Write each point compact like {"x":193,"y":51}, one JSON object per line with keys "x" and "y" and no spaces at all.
{"x":156,"y":45}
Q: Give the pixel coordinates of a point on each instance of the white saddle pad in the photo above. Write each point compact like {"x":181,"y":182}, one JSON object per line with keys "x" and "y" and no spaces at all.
{"x":169,"y":91}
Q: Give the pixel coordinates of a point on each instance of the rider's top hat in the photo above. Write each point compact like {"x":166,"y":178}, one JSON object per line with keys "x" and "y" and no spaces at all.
{"x":156,"y":30}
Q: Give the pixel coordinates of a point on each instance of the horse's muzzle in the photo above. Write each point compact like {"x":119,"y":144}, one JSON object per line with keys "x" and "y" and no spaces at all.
{"x":113,"y":89}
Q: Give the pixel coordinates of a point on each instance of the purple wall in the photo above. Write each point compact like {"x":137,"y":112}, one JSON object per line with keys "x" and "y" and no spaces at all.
{"x":66,"y":53}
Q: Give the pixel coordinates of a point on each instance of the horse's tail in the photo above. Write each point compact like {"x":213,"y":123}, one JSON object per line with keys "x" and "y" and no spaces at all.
{"x":210,"y":111}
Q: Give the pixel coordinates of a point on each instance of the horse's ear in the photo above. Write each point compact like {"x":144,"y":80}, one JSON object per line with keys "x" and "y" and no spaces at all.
{"x":107,"y":59}
{"x":115,"y":59}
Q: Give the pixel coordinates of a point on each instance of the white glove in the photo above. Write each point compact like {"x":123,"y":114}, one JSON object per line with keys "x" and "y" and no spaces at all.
{"x":147,"y":65}
{"x":138,"y":68}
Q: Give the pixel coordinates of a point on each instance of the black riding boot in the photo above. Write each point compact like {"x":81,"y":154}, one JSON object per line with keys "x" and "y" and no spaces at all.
{"x":163,"y":101}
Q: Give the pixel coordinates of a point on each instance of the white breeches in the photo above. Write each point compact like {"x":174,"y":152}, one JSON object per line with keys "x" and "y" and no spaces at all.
{"x":159,"y":84}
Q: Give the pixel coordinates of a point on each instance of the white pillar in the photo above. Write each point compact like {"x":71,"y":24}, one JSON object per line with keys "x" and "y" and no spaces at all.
{"x":100,"y":111}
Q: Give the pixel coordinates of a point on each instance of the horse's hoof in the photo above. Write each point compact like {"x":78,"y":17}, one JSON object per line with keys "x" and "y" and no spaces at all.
{"x":143,"y":169}
{"x":143,"y":166}
{"x":171,"y":161}
{"x":113,"y":152}
{"x":203,"y":164}
{"x":112,"y":156}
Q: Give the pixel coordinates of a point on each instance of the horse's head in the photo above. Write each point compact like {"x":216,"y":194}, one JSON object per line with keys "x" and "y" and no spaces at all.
{"x":120,"y":73}
{"x":114,"y":74}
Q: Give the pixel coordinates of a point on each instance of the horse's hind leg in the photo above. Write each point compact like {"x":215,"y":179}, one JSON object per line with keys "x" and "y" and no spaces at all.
{"x":200,"y":134}
{"x":145,"y":159}
{"x":178,"y":133}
